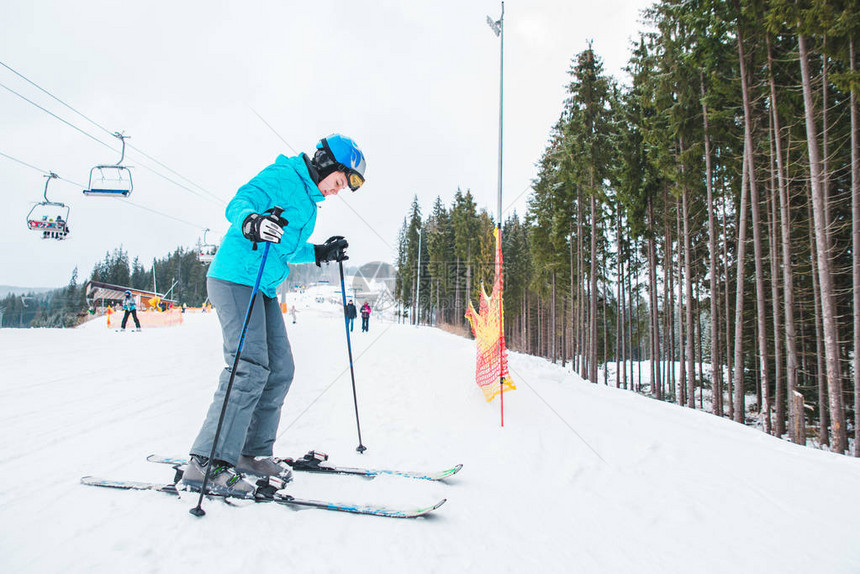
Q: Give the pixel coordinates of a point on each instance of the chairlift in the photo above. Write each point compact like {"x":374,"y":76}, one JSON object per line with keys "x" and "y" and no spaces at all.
{"x":111,"y":180}
{"x":207,"y":250}
{"x":51,"y":218}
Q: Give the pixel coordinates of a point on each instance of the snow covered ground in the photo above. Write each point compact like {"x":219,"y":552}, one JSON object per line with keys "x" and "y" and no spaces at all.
{"x":582,"y":478}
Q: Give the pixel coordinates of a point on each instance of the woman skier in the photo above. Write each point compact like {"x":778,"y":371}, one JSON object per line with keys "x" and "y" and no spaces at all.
{"x":265,"y":369}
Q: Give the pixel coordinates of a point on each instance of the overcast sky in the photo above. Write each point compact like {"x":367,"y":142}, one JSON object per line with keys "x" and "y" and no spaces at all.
{"x":414,"y":83}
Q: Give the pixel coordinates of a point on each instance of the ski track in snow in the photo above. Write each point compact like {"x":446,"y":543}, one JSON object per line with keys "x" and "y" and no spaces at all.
{"x":583,"y":478}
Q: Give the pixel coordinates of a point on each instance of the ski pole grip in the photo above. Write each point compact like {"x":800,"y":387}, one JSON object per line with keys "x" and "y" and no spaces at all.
{"x":277,"y":211}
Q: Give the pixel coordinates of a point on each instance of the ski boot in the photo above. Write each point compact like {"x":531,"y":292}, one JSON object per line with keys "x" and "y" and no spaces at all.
{"x":266,"y":467}
{"x":223,"y":478}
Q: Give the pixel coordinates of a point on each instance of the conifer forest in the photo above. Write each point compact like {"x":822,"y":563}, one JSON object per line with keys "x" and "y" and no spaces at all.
{"x":694,"y":227}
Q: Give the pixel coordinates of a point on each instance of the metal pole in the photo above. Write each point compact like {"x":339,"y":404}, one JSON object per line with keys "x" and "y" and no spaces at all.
{"x":499,"y":211}
{"x":501,"y":105}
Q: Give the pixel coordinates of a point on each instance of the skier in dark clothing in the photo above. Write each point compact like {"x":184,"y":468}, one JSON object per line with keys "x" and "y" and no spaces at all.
{"x":365,"y":317}
{"x":265,"y":368}
{"x":130,"y":307}
{"x":350,"y":315}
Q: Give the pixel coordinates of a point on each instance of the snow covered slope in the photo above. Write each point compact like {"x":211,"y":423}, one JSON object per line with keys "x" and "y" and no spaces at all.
{"x":583,"y":478}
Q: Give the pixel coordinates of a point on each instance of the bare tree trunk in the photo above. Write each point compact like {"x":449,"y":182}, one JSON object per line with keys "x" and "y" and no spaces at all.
{"x":605,"y":325}
{"x":716,"y":364}
{"x":457,"y":313}
{"x":654,"y":319}
{"x":638,"y":338}
{"x":633,"y":314}
{"x":552,"y":326}
{"x":700,"y":344}
{"x":761,"y":312}
{"x":574,"y":286}
{"x":855,"y":234}
{"x":791,"y":360}
{"x":572,"y":340}
{"x":821,"y":368}
{"x":668,"y":303}
{"x":799,"y":421}
{"x":593,"y":376}
{"x":526,"y":326}
{"x":580,"y":286}
{"x":688,"y":287}
{"x":739,"y":408}
{"x":541,"y":328}
{"x":825,"y":146}
{"x":564,"y":331}
{"x":621,"y":365}
{"x":670,"y":314}
{"x":729,"y":363}
{"x":828,"y":303}
{"x":683,"y":304}
{"x":779,"y":427}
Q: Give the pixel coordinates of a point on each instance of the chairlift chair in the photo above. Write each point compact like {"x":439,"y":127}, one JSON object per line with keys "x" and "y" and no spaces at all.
{"x":48,"y":216}
{"x":111,"y":180}
{"x":207,"y":250}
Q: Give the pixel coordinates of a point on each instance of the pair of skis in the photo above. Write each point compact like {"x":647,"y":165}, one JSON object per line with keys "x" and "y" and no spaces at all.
{"x":311,"y":462}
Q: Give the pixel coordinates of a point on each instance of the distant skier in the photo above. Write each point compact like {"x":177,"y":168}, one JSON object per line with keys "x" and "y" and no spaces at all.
{"x":350,"y":315}
{"x":130,"y":307}
{"x":293,"y":313}
{"x":265,"y":370}
{"x":365,"y":317}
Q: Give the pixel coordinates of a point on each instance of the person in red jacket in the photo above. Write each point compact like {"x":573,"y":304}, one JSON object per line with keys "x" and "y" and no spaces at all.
{"x":365,"y":317}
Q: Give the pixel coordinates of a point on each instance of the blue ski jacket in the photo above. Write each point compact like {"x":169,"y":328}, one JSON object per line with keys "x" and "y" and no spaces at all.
{"x":287,"y":184}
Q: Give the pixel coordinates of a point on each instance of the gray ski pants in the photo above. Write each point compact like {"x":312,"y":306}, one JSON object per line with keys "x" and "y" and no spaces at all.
{"x":263,"y":376}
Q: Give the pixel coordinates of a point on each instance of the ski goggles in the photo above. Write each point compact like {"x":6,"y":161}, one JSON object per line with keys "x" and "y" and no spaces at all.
{"x":353,"y":178}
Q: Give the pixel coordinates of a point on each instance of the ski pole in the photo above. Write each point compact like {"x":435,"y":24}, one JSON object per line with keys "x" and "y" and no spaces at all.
{"x":360,"y":448}
{"x":198,"y":510}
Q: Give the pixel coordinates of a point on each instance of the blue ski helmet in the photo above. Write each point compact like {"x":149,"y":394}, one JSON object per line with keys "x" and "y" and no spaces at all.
{"x":340,"y":153}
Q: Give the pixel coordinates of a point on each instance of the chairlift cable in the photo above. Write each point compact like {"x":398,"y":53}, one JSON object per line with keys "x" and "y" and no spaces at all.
{"x":34,"y":84}
{"x":217,"y":198}
{"x":109,"y":147}
{"x":214,"y":198}
{"x":71,"y":125}
{"x":24,"y":163}
{"x":274,"y":131}
{"x":40,"y":170}
{"x":149,"y":209}
{"x":146,"y":155}
{"x":76,"y":184}
{"x":369,"y":226}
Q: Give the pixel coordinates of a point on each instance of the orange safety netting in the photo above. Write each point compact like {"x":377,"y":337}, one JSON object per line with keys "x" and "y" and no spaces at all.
{"x":492,"y":361}
{"x":148,"y":319}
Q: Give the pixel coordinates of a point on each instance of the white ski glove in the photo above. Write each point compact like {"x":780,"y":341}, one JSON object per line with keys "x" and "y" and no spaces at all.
{"x":258,"y":227}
